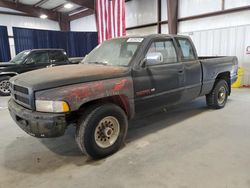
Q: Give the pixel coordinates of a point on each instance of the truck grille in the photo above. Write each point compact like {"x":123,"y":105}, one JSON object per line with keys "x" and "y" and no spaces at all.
{"x":21,"y":95}
{"x":21,"y":89}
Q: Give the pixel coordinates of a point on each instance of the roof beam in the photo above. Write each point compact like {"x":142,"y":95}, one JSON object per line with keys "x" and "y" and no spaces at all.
{"x":58,"y":7}
{"x":15,"y":14}
{"x":77,"y":10}
{"x":81,"y":14}
{"x":84,"y":3}
{"x":28,"y":9}
{"x":39,"y":3}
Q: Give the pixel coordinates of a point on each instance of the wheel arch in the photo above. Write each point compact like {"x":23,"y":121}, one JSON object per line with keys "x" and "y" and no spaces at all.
{"x":11,"y":74}
{"x":224,"y":76}
{"x":120,"y":100}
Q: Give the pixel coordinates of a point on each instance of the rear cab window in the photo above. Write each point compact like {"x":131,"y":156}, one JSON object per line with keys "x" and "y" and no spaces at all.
{"x":187,"y":51}
{"x":57,"y":56}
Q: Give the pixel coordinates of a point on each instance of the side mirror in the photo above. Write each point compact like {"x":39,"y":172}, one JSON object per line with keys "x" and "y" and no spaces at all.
{"x":152,"y":59}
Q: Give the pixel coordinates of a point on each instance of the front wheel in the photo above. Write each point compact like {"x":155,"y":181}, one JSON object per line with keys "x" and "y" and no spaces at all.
{"x":102,"y":130}
{"x":218,"y":97}
{"x":4,"y":86}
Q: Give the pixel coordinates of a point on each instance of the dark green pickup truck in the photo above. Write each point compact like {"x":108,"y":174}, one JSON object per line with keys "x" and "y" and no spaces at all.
{"x":29,"y":60}
{"x":118,"y":80}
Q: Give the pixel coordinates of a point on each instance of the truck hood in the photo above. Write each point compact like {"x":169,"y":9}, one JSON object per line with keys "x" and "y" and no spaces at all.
{"x":66,"y":75}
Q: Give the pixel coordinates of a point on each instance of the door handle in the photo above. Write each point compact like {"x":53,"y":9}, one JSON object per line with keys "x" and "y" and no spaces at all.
{"x":180,"y":71}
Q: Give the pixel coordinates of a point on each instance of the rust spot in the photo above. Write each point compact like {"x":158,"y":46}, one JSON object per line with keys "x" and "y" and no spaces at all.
{"x":81,"y":92}
{"x":120,"y":85}
{"x":98,"y":86}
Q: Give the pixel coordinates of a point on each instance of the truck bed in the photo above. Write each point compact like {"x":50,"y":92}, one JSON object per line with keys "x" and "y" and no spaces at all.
{"x":213,"y":65}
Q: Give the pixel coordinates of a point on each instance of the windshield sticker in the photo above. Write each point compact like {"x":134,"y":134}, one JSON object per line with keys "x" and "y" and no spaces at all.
{"x":135,"y":40}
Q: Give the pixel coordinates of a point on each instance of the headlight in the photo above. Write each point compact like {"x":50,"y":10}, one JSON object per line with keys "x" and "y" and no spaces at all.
{"x":51,"y":106}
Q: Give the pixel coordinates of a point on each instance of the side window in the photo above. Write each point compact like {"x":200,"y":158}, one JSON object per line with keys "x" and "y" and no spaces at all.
{"x":39,"y":57}
{"x":186,"y":49}
{"x":166,"y":48}
{"x":56,"y":56}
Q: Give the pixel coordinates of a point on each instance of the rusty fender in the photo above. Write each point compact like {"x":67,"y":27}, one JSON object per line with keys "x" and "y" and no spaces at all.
{"x":79,"y":94}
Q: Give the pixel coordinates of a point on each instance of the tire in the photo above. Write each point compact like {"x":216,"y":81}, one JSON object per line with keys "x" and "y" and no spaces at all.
{"x":97,"y":133}
{"x":4,"y":86}
{"x":217,"y":99}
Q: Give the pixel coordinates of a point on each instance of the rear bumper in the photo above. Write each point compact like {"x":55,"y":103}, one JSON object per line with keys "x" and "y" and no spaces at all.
{"x":42,"y":125}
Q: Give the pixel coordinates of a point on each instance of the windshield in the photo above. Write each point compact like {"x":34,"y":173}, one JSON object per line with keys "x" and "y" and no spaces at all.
{"x":115,"y":52}
{"x":20,"y":57}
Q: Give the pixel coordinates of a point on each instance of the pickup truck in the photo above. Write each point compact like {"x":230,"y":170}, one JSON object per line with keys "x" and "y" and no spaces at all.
{"x":29,"y":60}
{"x":118,"y":80}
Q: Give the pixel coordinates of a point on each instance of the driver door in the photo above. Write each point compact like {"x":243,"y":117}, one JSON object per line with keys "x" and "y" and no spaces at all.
{"x":36,"y":60}
{"x":161,"y":84}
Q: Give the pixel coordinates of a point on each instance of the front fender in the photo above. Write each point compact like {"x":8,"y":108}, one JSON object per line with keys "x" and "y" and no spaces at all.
{"x":78,"y":94}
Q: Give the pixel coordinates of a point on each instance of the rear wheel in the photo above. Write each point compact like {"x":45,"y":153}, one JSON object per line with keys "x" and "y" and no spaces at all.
{"x":102,"y":130}
{"x":218,"y":97}
{"x":4,"y":86}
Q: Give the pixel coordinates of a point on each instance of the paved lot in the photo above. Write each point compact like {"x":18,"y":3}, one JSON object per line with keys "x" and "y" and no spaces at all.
{"x":189,"y":146}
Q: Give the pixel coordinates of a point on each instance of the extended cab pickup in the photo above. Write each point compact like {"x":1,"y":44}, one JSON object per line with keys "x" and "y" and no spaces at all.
{"x":118,"y":80}
{"x":29,"y":60}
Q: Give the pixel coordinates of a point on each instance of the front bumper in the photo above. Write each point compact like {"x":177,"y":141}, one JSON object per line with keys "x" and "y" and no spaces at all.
{"x":42,"y":125}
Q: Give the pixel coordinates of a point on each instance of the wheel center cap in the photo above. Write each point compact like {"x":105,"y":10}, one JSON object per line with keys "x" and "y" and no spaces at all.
{"x":108,"y":131}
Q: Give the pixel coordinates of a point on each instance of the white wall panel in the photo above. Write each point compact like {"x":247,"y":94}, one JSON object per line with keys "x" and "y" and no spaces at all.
{"x":142,"y":31}
{"x":87,"y":23}
{"x":164,"y":11}
{"x":139,"y":12}
{"x":236,"y":3}
{"x":231,"y":41}
{"x":213,"y":22}
{"x":194,"y":7}
{"x":164,"y":28}
{"x":27,"y":22}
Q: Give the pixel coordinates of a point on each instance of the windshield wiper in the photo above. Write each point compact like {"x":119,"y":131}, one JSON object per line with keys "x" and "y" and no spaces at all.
{"x":98,"y":63}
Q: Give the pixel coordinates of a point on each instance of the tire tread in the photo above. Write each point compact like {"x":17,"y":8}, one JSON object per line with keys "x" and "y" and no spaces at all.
{"x":211,"y":97}
{"x":83,"y":123}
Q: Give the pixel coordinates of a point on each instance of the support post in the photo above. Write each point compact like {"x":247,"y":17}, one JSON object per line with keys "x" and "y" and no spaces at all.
{"x":172,"y":7}
{"x":64,"y":22}
{"x":222,"y":4}
{"x":159,"y":16}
